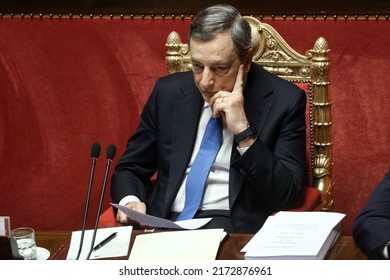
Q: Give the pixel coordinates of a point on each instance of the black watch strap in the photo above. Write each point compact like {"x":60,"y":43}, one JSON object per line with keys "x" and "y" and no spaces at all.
{"x":249,"y":131}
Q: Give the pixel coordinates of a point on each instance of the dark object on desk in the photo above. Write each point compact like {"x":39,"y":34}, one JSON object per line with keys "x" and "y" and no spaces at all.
{"x":105,"y":241}
{"x":9,"y":249}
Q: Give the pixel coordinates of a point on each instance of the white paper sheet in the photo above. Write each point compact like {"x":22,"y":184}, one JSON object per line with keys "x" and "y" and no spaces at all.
{"x":117,"y":247}
{"x":201,"y":244}
{"x":155,"y":222}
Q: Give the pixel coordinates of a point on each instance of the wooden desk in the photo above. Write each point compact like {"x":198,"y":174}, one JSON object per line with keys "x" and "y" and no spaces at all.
{"x":57,"y":242}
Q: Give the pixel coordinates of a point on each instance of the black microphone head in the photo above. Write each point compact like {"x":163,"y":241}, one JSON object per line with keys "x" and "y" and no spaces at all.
{"x":111,"y":150}
{"x":95,"y":150}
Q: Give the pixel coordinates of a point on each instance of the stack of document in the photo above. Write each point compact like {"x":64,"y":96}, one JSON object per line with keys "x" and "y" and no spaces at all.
{"x":295,"y":235}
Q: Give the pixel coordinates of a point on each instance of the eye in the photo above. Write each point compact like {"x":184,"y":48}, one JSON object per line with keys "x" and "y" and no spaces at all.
{"x":197,"y":68}
{"x":221,"y":70}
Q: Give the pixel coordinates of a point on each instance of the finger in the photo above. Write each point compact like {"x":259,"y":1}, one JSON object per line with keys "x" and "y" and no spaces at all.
{"x":217,"y":98}
{"x":218,"y":109}
{"x":239,"y":84}
{"x":121,"y":217}
{"x":134,"y":205}
{"x":140,"y":207}
{"x":124,"y":220}
{"x":213,"y":100}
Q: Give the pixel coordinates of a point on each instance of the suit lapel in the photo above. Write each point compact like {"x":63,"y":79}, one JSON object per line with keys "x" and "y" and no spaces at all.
{"x":258,"y":98}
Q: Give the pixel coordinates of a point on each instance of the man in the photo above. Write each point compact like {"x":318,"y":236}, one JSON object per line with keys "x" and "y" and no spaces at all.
{"x":260,"y":167}
{"x":371,"y":228}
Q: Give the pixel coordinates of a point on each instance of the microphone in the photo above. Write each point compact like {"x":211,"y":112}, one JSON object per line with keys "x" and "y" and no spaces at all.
{"x":95,"y":152}
{"x":110,"y":154}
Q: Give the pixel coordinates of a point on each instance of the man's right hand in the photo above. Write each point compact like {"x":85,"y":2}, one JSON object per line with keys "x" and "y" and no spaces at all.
{"x":136,"y":206}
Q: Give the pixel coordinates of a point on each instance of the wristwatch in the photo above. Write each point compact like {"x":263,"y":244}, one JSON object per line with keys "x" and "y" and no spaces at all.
{"x":249,"y":131}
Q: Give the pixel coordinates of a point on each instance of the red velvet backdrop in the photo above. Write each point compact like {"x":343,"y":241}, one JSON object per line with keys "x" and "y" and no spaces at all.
{"x":66,"y":83}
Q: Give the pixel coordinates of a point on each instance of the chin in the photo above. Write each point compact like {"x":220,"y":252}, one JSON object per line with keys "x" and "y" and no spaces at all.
{"x":207,"y":97}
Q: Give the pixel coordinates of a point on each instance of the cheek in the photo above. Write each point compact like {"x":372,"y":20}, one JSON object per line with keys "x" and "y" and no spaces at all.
{"x":226,"y":82}
{"x":197,"y":77}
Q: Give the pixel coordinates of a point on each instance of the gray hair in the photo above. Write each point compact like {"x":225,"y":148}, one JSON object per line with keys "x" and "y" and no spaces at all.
{"x":218,"y":19}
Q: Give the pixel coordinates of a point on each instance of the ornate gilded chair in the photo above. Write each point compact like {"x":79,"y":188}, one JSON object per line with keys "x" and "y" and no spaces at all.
{"x":309,"y":72}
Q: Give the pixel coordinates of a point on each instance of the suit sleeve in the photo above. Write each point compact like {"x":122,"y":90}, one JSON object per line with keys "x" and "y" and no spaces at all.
{"x":371,"y":228}
{"x":132,"y":174}
{"x":274,"y":166}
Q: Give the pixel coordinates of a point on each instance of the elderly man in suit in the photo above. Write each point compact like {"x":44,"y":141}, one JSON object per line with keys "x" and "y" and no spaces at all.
{"x":260,"y":166}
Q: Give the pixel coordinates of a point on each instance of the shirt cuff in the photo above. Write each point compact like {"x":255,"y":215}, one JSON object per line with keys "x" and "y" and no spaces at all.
{"x":242,"y":150}
{"x":385,"y":253}
{"x":129,"y":198}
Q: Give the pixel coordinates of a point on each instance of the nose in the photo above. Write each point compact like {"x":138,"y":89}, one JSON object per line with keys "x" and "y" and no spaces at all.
{"x":207,"y":79}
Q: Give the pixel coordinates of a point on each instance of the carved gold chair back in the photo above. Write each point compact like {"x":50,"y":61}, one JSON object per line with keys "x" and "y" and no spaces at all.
{"x":309,"y":71}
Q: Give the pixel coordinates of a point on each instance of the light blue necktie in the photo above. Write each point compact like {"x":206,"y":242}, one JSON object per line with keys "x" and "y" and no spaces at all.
{"x":200,"y":169}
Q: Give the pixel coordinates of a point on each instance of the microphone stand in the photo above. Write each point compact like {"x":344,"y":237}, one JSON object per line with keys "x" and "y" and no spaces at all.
{"x":95,"y":151}
{"x":110,"y":155}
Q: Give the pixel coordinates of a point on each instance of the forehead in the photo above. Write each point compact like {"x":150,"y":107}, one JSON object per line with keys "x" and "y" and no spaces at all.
{"x":219,"y":49}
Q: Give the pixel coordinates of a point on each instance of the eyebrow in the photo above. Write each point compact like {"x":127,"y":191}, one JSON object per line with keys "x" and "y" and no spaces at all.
{"x":214,"y":63}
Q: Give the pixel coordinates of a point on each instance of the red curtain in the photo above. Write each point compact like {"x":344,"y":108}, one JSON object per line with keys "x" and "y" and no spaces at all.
{"x":66,"y":83}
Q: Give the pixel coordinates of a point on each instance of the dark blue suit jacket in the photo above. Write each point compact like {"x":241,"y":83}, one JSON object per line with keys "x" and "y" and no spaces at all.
{"x":371,"y":228}
{"x":267,"y":178}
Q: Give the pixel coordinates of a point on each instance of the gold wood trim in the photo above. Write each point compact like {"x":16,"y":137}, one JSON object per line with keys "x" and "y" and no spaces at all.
{"x":129,"y":15}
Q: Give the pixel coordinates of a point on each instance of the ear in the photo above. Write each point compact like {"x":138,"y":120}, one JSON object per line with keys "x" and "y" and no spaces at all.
{"x":248,"y":60}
